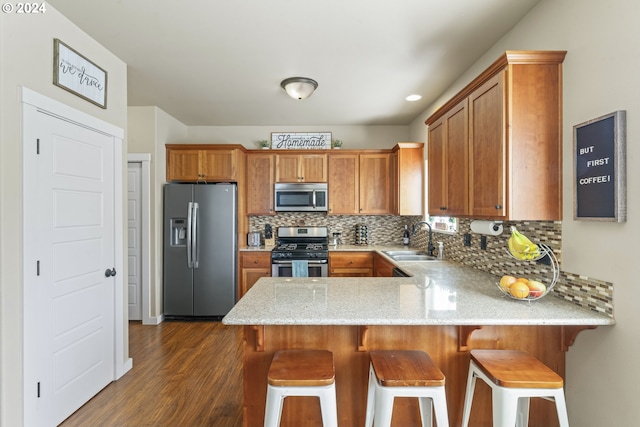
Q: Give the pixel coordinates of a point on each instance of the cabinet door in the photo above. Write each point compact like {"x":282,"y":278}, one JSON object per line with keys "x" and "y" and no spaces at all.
{"x":436,"y":169}
{"x":382,"y":267}
{"x":183,"y":165}
{"x":350,"y":264}
{"x":343,"y":184}
{"x":407,"y":173}
{"x":288,"y":168}
{"x":456,"y":160}
{"x":487,"y":149}
{"x":253,"y":266}
{"x":260,"y":184}
{"x":219,"y":165}
{"x":374,"y":184}
{"x":313,"y":167}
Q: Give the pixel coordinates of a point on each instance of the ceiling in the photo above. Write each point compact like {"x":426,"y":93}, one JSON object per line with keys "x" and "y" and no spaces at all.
{"x":220,"y":63}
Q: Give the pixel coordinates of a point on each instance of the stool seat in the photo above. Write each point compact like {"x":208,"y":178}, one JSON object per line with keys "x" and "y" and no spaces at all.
{"x":407,"y":368}
{"x":404,"y":373}
{"x":515,"y":369}
{"x":298,"y":368}
{"x":514,"y":377}
{"x":301,"y":373}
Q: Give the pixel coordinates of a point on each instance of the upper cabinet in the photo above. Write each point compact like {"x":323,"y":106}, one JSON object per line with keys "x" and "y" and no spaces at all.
{"x":407,"y":174}
{"x":260,"y":176}
{"x":191,"y":163}
{"x":375,"y":183}
{"x":301,"y":167}
{"x":449,"y":163}
{"x":495,"y":149}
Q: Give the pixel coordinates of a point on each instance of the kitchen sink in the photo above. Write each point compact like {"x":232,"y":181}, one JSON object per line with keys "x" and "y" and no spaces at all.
{"x":409,"y":255}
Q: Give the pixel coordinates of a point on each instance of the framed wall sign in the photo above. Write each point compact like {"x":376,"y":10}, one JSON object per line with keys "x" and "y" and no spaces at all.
{"x":600,"y":187}
{"x":301,"y":140}
{"x":76,"y":74}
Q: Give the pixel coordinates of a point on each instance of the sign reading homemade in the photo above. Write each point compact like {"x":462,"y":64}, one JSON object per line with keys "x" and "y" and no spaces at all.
{"x":301,"y":141}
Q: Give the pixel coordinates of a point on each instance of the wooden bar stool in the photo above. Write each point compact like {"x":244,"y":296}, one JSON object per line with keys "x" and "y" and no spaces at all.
{"x":514,"y":377}
{"x":301,"y":373}
{"x":404,"y":373}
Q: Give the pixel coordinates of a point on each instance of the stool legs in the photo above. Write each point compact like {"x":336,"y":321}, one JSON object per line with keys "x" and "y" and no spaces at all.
{"x":276,"y":396}
{"x":380,"y":403}
{"x":511,"y":405}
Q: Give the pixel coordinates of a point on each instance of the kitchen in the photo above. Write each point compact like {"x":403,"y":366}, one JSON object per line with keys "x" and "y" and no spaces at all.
{"x":592,"y":55}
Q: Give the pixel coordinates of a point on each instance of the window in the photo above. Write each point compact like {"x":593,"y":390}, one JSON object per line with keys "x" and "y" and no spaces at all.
{"x":443,"y":223}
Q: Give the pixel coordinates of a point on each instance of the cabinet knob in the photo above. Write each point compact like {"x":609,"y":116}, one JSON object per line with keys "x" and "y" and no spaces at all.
{"x":443,"y":208}
{"x":255,"y":261}
{"x":498,"y":206}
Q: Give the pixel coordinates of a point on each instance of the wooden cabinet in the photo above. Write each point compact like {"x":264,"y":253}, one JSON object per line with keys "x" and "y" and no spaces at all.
{"x":344,"y":184}
{"x":301,"y":168}
{"x":449,"y":163}
{"x":191,"y":163}
{"x":407,"y":179}
{"x":260,"y":179}
{"x":253,"y":266}
{"x":514,"y":142}
{"x":375,"y":184}
{"x":350,"y":264}
{"x":381,"y":266}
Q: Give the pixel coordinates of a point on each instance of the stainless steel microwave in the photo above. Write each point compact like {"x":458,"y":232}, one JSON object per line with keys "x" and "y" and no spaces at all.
{"x":302,"y":197}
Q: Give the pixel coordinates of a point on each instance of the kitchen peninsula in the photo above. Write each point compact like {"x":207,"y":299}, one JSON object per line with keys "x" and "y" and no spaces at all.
{"x":445,"y":309}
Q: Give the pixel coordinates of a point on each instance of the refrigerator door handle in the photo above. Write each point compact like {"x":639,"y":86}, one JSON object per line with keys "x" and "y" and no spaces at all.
{"x":189,"y":236}
{"x":194,"y":251}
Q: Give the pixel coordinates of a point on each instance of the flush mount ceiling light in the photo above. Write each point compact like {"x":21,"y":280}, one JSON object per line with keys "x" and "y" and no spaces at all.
{"x":299,"y":87}
{"x":412,"y":98}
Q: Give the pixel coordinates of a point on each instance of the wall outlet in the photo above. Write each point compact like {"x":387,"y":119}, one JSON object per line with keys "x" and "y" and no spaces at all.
{"x":467,"y":239}
{"x":483,"y":243}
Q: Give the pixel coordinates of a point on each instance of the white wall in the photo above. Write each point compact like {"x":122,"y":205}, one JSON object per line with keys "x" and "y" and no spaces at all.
{"x":150,"y":128}
{"x":26,"y":43}
{"x":358,"y":137}
{"x":600,"y":76}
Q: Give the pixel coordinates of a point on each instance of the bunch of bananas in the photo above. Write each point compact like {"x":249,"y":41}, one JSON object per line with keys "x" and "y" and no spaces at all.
{"x":521,"y":247}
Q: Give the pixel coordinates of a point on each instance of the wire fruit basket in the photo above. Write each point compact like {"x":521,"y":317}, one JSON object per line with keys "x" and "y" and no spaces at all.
{"x":530,"y":289}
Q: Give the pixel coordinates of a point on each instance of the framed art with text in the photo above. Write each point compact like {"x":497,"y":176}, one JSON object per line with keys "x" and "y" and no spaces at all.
{"x":76,"y":74}
{"x":599,"y":150}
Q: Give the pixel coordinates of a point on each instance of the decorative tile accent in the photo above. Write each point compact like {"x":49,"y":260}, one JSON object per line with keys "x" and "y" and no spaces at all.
{"x":593,"y":294}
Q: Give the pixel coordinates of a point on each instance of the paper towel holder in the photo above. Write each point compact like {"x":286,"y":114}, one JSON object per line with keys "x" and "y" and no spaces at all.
{"x":491,"y":228}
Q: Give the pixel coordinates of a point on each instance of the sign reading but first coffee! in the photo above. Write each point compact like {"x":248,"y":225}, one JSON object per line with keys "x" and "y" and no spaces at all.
{"x":599,"y":158}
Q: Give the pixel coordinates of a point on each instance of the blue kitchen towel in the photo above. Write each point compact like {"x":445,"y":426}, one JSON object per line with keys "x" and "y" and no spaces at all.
{"x":300,"y":268}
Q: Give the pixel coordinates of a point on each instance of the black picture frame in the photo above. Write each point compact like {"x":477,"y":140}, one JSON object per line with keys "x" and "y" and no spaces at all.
{"x":599,"y":158}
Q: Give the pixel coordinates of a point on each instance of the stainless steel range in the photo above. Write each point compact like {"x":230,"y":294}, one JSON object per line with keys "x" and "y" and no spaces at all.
{"x":307,"y":244}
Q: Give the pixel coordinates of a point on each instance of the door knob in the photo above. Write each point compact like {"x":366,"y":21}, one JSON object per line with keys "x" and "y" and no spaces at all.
{"x":110,"y":272}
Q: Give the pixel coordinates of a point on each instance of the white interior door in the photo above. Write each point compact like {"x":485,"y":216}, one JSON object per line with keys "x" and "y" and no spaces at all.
{"x":69,"y":236}
{"x":134,"y":239}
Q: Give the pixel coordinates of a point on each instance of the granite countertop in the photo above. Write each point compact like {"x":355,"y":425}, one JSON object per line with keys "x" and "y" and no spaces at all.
{"x":439,"y":293}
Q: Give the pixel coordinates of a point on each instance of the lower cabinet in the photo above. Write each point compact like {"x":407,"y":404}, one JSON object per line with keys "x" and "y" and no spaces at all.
{"x":382,"y":267}
{"x":253,"y":266}
{"x":350,"y":264}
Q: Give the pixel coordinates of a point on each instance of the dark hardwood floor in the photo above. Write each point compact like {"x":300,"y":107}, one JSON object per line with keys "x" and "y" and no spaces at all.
{"x":185,"y":374}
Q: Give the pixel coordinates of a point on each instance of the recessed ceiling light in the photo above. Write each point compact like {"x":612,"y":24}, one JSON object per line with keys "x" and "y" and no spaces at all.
{"x":413,"y":97}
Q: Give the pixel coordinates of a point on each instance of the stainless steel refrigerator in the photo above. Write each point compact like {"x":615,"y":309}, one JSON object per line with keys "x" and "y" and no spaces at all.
{"x":200,"y":247}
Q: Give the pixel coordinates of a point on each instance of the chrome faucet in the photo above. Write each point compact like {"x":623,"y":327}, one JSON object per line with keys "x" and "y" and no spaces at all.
{"x":430,"y":247}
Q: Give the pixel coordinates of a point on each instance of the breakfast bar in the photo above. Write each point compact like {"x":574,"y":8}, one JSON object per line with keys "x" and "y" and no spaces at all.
{"x":444,"y":309}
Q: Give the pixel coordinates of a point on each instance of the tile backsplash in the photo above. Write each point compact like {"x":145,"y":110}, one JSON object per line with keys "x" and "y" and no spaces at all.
{"x":593,"y":294}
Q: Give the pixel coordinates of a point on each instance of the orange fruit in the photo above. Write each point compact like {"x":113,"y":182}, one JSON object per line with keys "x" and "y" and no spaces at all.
{"x":519,"y":289}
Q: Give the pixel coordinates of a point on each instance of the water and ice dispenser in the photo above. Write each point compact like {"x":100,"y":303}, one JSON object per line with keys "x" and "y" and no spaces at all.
{"x":178,"y":231}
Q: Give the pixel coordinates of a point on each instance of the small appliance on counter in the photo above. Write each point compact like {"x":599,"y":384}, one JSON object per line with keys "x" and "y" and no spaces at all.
{"x":254,"y":239}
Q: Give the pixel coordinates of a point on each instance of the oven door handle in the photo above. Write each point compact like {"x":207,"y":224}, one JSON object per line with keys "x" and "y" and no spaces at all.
{"x":311,"y":261}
